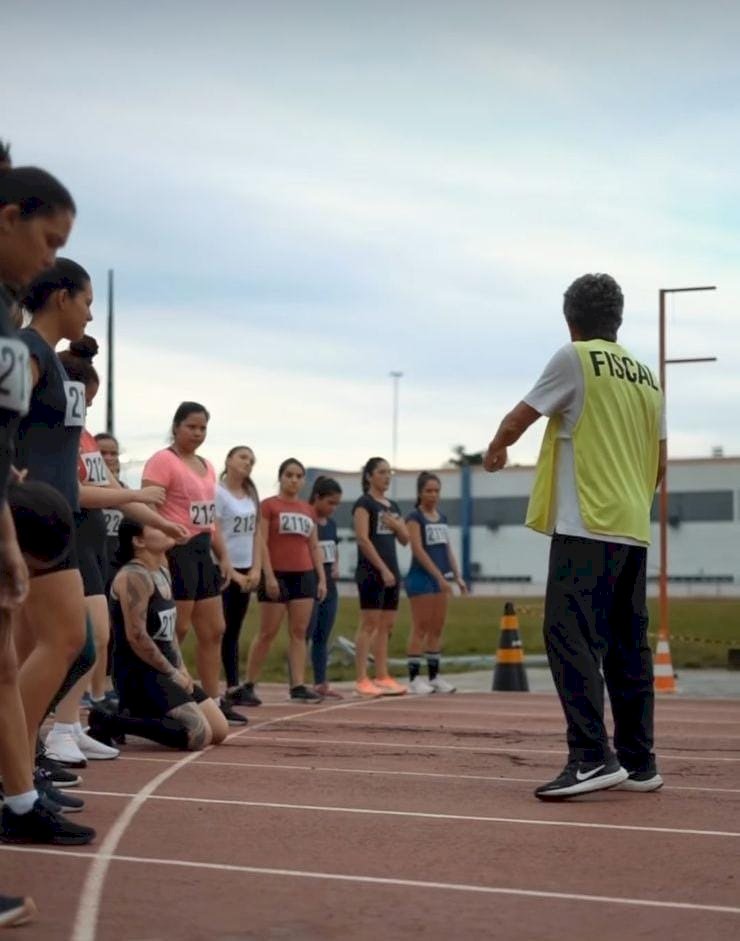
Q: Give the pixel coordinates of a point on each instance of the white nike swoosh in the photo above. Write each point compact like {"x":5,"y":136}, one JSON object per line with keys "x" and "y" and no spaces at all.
{"x":585,"y":775}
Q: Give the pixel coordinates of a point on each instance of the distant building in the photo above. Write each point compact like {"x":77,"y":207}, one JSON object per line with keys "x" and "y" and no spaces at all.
{"x":704,"y":518}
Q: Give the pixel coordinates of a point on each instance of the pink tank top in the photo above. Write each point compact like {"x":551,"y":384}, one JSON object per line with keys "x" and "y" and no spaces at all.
{"x":190,"y":498}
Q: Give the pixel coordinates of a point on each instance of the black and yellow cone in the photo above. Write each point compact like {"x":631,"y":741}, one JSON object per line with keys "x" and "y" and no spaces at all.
{"x":509,"y":673}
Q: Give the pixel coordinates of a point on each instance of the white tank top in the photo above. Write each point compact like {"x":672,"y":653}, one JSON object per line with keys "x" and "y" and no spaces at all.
{"x":237,"y":517}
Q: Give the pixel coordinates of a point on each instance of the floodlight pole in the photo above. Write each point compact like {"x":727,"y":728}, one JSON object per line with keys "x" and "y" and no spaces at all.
{"x":663,"y":627}
{"x":109,"y":423}
{"x":395,"y":376}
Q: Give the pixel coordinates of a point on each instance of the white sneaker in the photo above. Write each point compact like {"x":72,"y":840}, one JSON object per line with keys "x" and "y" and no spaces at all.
{"x":441,"y":686}
{"x":419,"y":687}
{"x":63,"y":747}
{"x":94,"y":750}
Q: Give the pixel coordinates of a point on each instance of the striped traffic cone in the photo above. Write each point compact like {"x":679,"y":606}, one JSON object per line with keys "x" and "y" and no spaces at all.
{"x":509,"y":673}
{"x":665,"y":679}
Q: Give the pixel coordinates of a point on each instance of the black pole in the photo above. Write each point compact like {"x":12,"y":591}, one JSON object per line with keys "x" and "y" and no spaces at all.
{"x":109,"y":424}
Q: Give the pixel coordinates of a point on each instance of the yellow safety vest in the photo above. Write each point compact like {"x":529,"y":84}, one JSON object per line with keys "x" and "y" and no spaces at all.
{"x":615,"y":447}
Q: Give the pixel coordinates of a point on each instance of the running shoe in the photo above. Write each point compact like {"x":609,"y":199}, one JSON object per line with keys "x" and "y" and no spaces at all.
{"x":389,"y":686}
{"x":16,"y":911}
{"x":60,"y":776}
{"x":63,"y":803}
{"x":62,"y":747}
{"x":644,"y":781}
{"x":42,"y":825}
{"x":231,"y":716}
{"x":367,"y":689}
{"x":440,"y":685}
{"x":87,"y":702}
{"x":93,"y":750}
{"x":244,"y":695}
{"x":323,"y":689}
{"x":420,"y":687}
{"x":582,"y":777}
{"x":304,"y":694}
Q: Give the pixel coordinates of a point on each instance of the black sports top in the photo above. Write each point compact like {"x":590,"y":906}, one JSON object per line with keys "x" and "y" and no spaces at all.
{"x":161,"y":618}
{"x":382,"y":538}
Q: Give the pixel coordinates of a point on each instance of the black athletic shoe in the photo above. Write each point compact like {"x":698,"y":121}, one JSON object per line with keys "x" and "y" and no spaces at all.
{"x":67,"y":803}
{"x":41,"y":825}
{"x":102,"y":726}
{"x":231,"y":716}
{"x":647,"y":780}
{"x":304,"y":694}
{"x":59,"y":776}
{"x":244,"y":695}
{"x":581,"y":777}
{"x":16,"y":911}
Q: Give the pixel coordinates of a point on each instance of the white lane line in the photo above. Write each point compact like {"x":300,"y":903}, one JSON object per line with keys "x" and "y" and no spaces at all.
{"x":420,"y":815}
{"x":403,"y":883}
{"x":88,"y":909}
{"x":308,"y":739}
{"x":326,"y":769}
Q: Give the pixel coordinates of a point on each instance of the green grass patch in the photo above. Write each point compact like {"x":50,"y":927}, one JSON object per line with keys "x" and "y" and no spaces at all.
{"x":702,"y":631}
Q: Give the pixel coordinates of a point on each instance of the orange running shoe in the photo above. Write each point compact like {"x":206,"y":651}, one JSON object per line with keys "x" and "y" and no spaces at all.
{"x":390,"y":687}
{"x":368,"y":689}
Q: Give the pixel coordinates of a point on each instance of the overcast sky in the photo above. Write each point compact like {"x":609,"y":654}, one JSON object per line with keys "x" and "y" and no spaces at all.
{"x":299,"y":197}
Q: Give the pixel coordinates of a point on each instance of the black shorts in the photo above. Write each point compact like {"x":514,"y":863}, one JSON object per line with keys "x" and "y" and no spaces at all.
{"x":293,"y":587}
{"x":374,"y":595}
{"x":149,"y":694}
{"x":45,"y":527}
{"x":195,"y":574}
{"x":92,"y":551}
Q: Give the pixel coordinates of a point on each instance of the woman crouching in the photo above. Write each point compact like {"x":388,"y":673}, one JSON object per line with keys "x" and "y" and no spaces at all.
{"x":158,"y":699}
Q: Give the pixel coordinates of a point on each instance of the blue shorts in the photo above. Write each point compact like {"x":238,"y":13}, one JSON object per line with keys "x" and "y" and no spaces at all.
{"x":419,"y":582}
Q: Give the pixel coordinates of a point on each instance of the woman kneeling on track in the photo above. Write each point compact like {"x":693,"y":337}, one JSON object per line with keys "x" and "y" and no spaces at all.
{"x":158,"y":699}
{"x":427,"y":585}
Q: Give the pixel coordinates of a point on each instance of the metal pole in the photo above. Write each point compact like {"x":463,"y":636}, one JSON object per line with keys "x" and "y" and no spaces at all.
{"x":466,"y":507}
{"x":395,"y":376}
{"x":109,"y":423}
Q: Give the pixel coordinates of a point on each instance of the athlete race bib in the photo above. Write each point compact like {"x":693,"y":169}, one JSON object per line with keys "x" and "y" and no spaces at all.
{"x":15,"y":376}
{"x":436,"y":534}
{"x":381,"y":529}
{"x":167,"y":623}
{"x":112,"y":521}
{"x":96,"y":472}
{"x":202,"y":513}
{"x":329,"y":548}
{"x":244,"y":525}
{"x":75,"y":414}
{"x":295,"y":524}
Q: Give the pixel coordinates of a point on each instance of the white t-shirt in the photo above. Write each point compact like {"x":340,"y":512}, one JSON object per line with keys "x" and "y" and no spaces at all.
{"x":560,"y":391}
{"x":237,"y":517}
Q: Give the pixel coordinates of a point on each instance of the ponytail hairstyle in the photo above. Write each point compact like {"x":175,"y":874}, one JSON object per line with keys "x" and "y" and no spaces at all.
{"x":127,"y":532}
{"x":367,"y":471}
{"x":324,"y":487}
{"x":421,"y":481}
{"x":77,"y":361}
{"x":248,"y":484}
{"x":64,"y":275}
{"x":34,"y":191}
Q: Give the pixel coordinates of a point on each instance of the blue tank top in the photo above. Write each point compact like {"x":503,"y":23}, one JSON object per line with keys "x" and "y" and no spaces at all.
{"x":435,"y":541}
{"x":327,"y":535}
{"x":48,"y":439}
{"x":15,"y":384}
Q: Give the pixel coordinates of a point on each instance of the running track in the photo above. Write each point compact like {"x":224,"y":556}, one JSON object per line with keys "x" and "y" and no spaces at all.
{"x":368,"y":820}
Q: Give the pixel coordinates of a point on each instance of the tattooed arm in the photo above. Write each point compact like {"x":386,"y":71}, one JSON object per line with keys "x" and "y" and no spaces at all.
{"x":135,"y":592}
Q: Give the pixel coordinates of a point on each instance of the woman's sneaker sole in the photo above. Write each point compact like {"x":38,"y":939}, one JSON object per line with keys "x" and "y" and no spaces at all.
{"x":642,"y":784}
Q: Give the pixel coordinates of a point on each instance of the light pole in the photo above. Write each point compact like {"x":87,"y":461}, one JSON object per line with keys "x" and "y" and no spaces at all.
{"x":663,"y":629}
{"x":395,"y":376}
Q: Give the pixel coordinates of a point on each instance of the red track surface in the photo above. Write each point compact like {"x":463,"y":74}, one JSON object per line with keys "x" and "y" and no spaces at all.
{"x":367,"y":820}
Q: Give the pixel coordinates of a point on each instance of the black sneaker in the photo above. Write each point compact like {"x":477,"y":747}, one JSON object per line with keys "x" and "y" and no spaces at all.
{"x":16,"y":911}
{"x":648,"y":780}
{"x":231,"y":716}
{"x":41,"y":825}
{"x":244,"y":695}
{"x":581,"y":777}
{"x":304,"y":694}
{"x":59,"y":776}
{"x":67,"y":803}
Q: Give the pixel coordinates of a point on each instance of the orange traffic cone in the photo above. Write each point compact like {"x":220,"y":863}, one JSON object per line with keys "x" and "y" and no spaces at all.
{"x":509,"y":673}
{"x":665,"y":680}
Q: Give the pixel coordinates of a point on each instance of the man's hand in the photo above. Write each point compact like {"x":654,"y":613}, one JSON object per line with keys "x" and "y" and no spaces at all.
{"x":494,"y":459}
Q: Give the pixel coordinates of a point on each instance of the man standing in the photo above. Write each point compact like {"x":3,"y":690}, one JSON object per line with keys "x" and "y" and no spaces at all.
{"x":602,"y":456}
